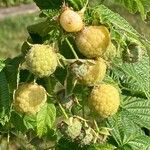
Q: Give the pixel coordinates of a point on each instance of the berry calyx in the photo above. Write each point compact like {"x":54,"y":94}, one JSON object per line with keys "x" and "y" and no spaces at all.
{"x":71,"y":128}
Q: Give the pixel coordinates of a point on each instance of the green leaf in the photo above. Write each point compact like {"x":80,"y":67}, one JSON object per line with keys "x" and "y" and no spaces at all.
{"x":12,"y":71}
{"x":61,"y":74}
{"x":45,"y":118}
{"x":141,"y":6}
{"x":76,"y":4}
{"x":2,"y":65}
{"x":104,"y":146}
{"x":29,"y":122}
{"x":138,"y":110}
{"x":56,"y":4}
{"x":140,"y":142}
{"x":105,"y":16}
{"x":127,"y":134}
{"x":134,"y":76}
{"x":123,"y":129}
{"x":17,"y":121}
{"x":46,"y":30}
{"x":146,"y":5}
{"x":65,"y":144}
{"x":48,"y":4}
{"x":4,"y":98}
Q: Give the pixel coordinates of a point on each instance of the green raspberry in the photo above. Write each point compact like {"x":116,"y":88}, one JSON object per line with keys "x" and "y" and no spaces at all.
{"x":41,"y":60}
{"x":93,"y":41}
{"x":71,"y":128}
{"x":104,"y":100}
{"x":29,"y":98}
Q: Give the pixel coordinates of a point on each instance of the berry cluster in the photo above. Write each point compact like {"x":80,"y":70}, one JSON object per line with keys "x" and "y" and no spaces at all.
{"x":77,"y":130}
{"x":41,"y":60}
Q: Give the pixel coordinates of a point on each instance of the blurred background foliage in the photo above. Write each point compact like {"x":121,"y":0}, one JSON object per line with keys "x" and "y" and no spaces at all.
{"x":7,"y":3}
{"x":13,"y":29}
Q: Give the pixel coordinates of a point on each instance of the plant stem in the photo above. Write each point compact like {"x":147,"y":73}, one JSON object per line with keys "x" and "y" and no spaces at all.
{"x":63,"y":111}
{"x":72,"y":49}
{"x":48,"y":85}
{"x":95,"y":123}
{"x":8,"y":136}
{"x":35,"y":78}
{"x":83,"y":103}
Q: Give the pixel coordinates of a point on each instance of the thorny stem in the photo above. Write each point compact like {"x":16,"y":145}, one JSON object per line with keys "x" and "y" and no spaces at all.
{"x":72,"y":49}
{"x":9,"y":126}
{"x":83,"y":103}
{"x":74,"y":84}
{"x":18,"y":77}
{"x":63,"y":111}
{"x":80,"y":60}
{"x":82,"y":119}
{"x":84,"y":8}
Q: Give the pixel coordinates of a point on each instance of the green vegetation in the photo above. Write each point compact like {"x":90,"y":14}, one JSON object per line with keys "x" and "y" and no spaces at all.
{"x":13,"y":32}
{"x":56,"y":96}
{"x":7,"y":3}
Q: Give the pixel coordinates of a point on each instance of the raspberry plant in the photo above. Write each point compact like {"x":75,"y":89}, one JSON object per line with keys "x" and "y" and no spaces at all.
{"x":79,"y":83}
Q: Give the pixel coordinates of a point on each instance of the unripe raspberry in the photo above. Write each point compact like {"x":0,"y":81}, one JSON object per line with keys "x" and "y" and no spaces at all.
{"x":41,"y":60}
{"x":104,"y":100}
{"x":90,"y":73}
{"x":71,"y":21}
{"x":29,"y":98}
{"x":87,"y":138}
{"x":71,"y":128}
{"x":93,"y":41}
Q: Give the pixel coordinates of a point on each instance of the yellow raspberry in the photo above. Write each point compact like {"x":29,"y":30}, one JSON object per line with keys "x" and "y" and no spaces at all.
{"x":71,"y":21}
{"x":41,"y":60}
{"x":90,"y":73}
{"x":93,"y":41}
{"x":29,"y":98}
{"x":104,"y":100}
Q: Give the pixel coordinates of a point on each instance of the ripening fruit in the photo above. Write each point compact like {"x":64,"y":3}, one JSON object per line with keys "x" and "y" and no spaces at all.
{"x":93,"y":41}
{"x":41,"y":60}
{"x":90,"y":73}
{"x":29,"y":98}
{"x":104,"y":100}
{"x":71,"y":21}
